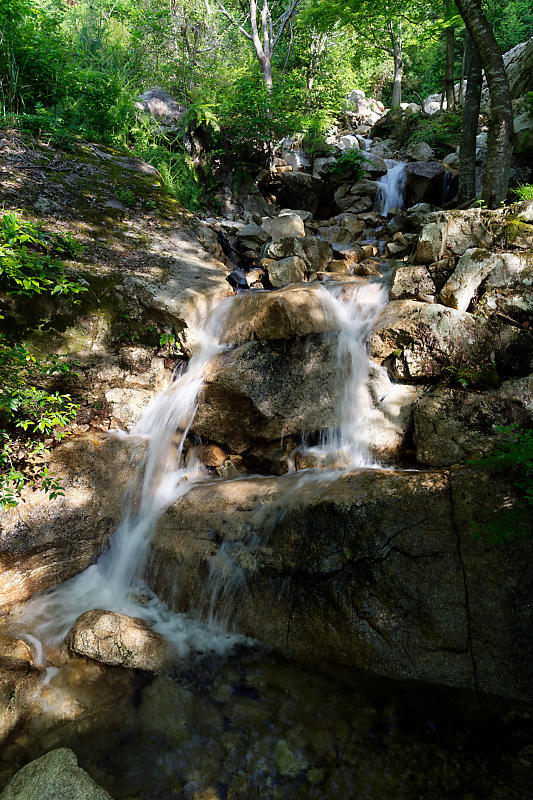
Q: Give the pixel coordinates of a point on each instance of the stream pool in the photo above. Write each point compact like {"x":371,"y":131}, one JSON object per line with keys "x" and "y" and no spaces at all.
{"x":253,"y":725}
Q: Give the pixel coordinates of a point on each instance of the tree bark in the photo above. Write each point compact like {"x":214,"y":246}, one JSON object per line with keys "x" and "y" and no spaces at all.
{"x":467,"y":151}
{"x":396,"y":41}
{"x":500,"y":139}
{"x":449,"y":78}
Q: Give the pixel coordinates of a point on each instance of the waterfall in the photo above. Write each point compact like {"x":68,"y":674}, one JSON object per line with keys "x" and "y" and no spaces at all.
{"x":116,"y":581}
{"x":391,"y":187}
{"x":355,"y":309}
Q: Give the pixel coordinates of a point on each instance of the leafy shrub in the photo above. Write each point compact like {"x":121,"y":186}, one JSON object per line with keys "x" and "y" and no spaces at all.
{"x":349,"y":164}
{"x":28,"y":263}
{"x":29,"y":410}
{"x":441,"y":131}
{"x":314,"y":139}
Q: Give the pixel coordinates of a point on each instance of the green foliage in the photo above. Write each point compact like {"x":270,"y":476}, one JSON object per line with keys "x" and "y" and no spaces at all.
{"x":524,"y":191}
{"x":28,"y":259}
{"x":29,"y":410}
{"x":514,"y":454}
{"x":350,"y":163}
{"x":473,"y":376}
{"x":126,"y":197}
{"x":314,"y":139}
{"x":441,"y":131}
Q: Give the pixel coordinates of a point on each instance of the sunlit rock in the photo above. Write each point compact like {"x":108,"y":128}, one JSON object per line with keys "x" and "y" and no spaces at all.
{"x":45,"y":542}
{"x":118,"y":640}
{"x":53,"y":776}
{"x":423,"y":341}
{"x":293,"y":311}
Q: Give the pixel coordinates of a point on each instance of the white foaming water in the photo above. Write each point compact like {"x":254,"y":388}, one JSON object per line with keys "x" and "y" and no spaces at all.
{"x":355,"y":309}
{"x":391,"y":187}
{"x":115,"y":582}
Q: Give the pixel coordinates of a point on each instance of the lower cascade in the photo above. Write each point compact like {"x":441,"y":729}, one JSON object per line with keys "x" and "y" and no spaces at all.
{"x":117,"y":581}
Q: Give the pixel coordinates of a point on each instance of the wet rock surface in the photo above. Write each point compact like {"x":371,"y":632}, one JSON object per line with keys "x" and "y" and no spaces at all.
{"x":253,"y":724}
{"x":384,"y":591}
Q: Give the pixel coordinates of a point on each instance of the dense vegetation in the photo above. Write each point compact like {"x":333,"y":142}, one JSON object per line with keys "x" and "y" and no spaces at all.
{"x":73,"y":69}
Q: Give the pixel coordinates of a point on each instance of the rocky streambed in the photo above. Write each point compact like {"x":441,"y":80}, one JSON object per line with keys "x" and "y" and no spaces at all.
{"x":327,"y":506}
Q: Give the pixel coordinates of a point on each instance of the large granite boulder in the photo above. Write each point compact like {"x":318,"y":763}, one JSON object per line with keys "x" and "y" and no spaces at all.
{"x":299,"y":190}
{"x":54,"y":776}
{"x":421,"y":341}
{"x":509,"y":274}
{"x":265,"y":391}
{"x":425,"y":182}
{"x":294,"y":311}
{"x":451,"y":425}
{"x":160,"y":105}
{"x":375,"y":570}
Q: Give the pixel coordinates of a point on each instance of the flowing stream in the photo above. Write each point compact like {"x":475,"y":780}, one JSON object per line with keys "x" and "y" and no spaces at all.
{"x":116,"y":582}
{"x":391,"y":187}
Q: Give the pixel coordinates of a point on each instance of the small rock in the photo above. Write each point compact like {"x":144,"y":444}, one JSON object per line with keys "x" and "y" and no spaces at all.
{"x":282,"y":227}
{"x":117,"y":639}
{"x":351,"y":252}
{"x":420,"y":151}
{"x":413,"y":283}
{"x":286,"y":270}
{"x":54,"y":776}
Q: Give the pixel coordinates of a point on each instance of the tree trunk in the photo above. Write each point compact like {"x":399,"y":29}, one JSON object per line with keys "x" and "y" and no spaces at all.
{"x":467,"y":152}
{"x":449,"y":77}
{"x":396,"y":41}
{"x":500,"y":139}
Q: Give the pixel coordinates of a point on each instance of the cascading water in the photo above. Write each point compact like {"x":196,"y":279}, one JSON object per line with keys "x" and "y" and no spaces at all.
{"x":355,"y":309}
{"x":391,"y":187}
{"x":115,"y":582}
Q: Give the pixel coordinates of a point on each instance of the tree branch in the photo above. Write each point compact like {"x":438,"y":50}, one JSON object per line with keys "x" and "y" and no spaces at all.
{"x":234,"y":21}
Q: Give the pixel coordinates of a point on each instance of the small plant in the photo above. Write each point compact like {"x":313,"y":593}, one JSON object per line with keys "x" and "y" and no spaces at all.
{"x":441,"y":131}
{"x":524,"y":191}
{"x":126,"y":197}
{"x":513,"y":453}
{"x":349,"y":164}
{"x":472,"y":376}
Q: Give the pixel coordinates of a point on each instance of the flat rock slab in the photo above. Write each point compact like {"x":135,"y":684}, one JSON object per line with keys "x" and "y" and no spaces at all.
{"x":54,"y":776}
{"x":118,"y":640}
{"x":366,"y":569}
